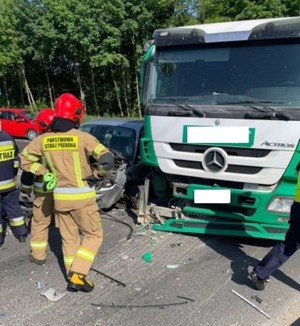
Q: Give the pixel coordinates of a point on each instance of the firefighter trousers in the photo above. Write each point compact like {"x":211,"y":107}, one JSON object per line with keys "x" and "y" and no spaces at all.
{"x":43,"y":212}
{"x":82,"y":237}
{"x":282,"y":251}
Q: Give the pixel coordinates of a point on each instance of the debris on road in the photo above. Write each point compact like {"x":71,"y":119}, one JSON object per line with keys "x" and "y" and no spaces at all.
{"x":111,"y":278}
{"x":172,"y":266}
{"x":173,"y":245}
{"x":185,"y":298}
{"x":155,"y":305}
{"x":2,"y":314}
{"x":257,"y":298}
{"x":40,"y":285}
{"x":251,"y":304}
{"x":52,"y":295}
{"x":147,"y":257}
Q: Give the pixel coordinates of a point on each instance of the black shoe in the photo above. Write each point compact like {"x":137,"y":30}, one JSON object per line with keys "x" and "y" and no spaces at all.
{"x":37,"y":261}
{"x":259,"y":283}
{"x":267,"y":279}
{"x":21,"y":238}
{"x":79,"y":282}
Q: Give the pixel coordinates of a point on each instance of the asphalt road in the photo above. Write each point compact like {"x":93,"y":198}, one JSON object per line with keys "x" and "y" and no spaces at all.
{"x":21,"y":143}
{"x":190,"y":281}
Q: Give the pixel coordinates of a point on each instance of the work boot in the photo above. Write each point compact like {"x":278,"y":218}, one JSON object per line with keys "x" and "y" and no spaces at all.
{"x":21,"y":238}
{"x":37,"y":261}
{"x":259,"y":283}
{"x":79,"y":282}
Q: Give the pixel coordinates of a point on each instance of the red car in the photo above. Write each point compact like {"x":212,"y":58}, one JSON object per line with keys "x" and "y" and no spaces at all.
{"x":19,"y":123}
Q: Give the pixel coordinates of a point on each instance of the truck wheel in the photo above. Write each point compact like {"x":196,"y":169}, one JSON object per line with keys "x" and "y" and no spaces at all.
{"x":31,"y":134}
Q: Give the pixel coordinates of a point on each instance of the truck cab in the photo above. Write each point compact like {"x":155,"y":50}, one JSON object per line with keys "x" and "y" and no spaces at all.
{"x":222,"y":119}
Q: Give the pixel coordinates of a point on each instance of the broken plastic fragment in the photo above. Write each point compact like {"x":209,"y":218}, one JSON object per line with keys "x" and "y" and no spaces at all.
{"x":147,"y":257}
{"x":172,"y":266}
{"x":2,"y":314}
{"x":257,"y":298}
{"x":40,"y":285}
{"x":52,"y":295}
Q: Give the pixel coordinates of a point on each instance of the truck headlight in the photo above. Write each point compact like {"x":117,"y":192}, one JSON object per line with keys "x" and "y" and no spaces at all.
{"x":280,"y":205}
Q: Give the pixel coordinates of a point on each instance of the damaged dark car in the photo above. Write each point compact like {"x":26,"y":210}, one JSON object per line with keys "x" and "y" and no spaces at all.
{"x":120,"y":186}
{"x":122,"y":137}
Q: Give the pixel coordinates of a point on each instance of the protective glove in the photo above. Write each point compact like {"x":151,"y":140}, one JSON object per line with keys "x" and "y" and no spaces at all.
{"x":49,"y":181}
{"x":98,"y":172}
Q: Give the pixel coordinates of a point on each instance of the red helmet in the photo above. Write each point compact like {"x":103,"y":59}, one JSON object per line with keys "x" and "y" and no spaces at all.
{"x":67,"y":106}
{"x":44,"y":118}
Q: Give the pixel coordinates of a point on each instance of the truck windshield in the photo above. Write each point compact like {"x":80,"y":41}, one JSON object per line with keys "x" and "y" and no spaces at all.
{"x":200,"y":74}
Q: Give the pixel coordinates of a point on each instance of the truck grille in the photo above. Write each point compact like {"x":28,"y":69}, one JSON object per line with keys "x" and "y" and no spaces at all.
{"x":231,"y":151}
{"x":231,"y":168}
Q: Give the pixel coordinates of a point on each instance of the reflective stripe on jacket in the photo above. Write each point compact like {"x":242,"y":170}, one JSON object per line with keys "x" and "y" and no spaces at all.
{"x":9,"y":162}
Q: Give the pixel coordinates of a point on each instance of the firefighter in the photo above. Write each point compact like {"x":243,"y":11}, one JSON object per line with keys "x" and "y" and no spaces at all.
{"x":11,"y":211}
{"x":66,"y":151}
{"x":43,"y":205}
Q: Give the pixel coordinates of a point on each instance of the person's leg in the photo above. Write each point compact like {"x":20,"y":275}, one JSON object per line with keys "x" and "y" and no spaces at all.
{"x":3,"y":223}
{"x":89,"y":222}
{"x":282,"y":251}
{"x":12,"y":208}
{"x":69,"y":232}
{"x":43,"y":211}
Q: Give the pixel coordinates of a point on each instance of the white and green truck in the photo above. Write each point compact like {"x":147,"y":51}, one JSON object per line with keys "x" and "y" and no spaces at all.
{"x":222,"y":127}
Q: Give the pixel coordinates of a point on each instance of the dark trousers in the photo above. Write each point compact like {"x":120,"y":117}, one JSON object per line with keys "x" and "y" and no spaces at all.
{"x":10,"y":210}
{"x":282,"y":251}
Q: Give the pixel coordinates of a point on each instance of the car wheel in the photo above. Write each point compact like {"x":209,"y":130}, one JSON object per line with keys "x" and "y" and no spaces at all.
{"x":31,"y":134}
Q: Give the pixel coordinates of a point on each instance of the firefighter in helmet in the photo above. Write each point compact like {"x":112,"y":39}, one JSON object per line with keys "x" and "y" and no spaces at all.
{"x":67,"y":151}
{"x":43,"y":205}
{"x":10,"y":209}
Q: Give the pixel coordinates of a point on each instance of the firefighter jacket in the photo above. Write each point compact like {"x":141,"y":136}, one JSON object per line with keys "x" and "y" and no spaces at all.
{"x":66,"y":155}
{"x":9,"y":162}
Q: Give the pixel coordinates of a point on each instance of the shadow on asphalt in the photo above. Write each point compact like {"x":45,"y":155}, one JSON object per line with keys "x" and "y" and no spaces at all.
{"x":296,"y":323}
{"x":232,"y":249}
{"x":55,"y":245}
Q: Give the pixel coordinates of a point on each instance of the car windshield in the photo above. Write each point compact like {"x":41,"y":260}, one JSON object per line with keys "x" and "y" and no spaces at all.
{"x":119,"y":139}
{"x":29,"y":115}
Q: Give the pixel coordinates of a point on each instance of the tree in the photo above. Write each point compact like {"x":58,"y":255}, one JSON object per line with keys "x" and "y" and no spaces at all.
{"x":218,"y":10}
{"x":94,"y":48}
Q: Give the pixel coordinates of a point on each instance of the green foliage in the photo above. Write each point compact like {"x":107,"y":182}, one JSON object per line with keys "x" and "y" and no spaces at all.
{"x":219,"y":10}
{"x":94,"y":48}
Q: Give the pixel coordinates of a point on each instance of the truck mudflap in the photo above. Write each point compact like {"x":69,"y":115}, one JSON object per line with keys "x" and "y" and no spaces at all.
{"x":174,"y":219}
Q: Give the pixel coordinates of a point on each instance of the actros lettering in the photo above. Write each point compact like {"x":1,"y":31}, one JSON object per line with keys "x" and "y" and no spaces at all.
{"x":273,"y":144}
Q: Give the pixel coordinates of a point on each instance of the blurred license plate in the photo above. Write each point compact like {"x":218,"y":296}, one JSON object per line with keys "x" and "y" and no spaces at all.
{"x":212,"y":196}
